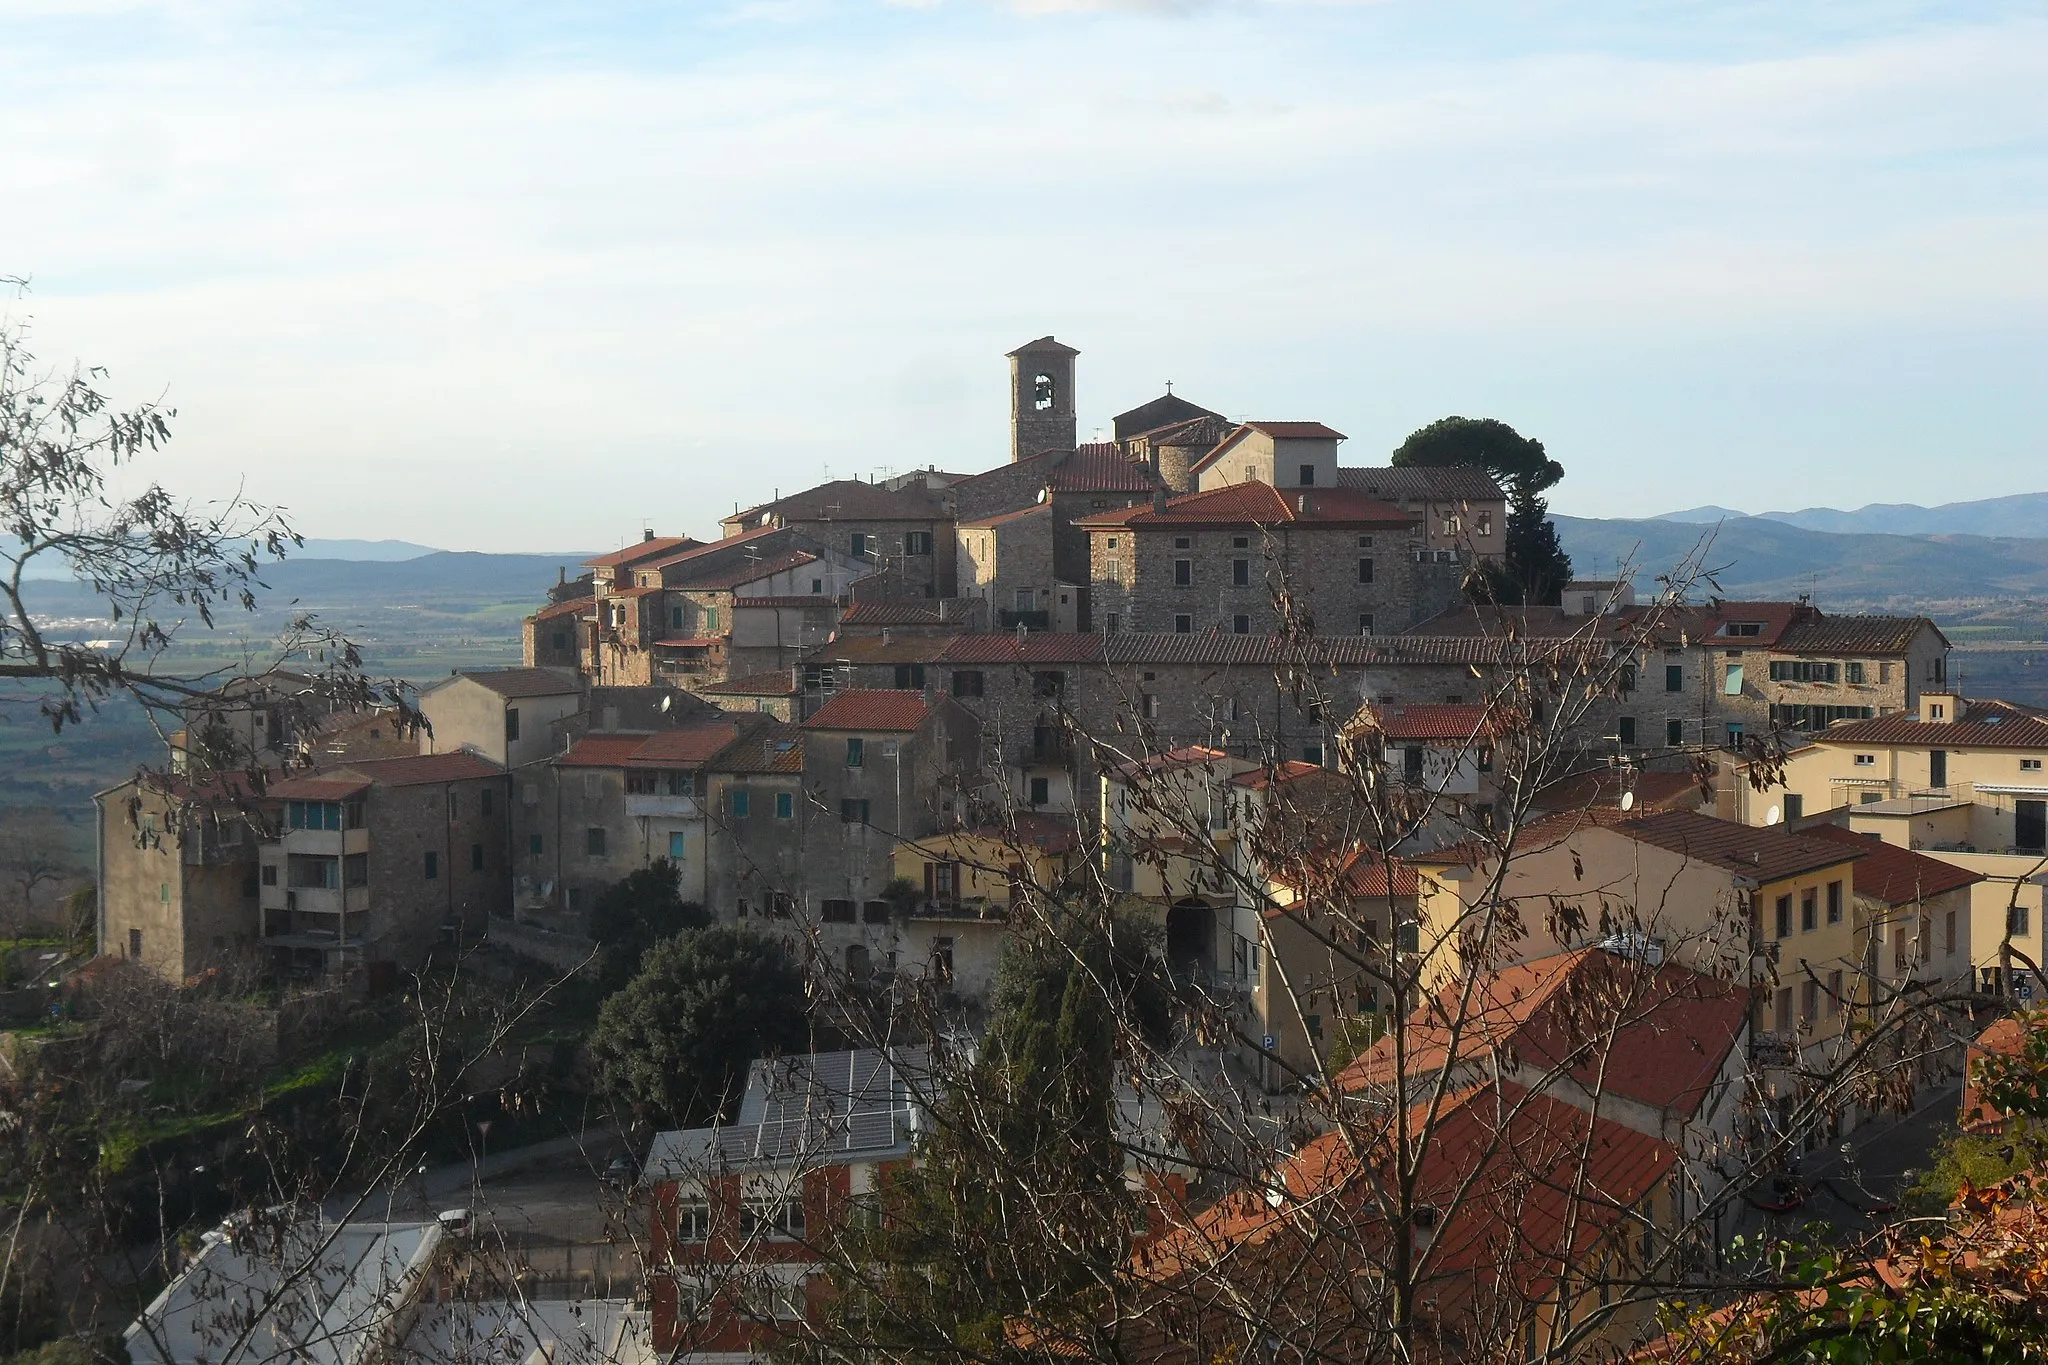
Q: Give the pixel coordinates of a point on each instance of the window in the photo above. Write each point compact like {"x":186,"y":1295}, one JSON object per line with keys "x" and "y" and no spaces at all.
{"x":270,"y":874}
{"x":968,"y":682}
{"x":817,"y":585}
{"x":1674,"y":677}
{"x":1041,"y":791}
{"x":1833,"y":1005}
{"x":1308,"y":476}
{"x":857,"y":544}
{"x":1628,"y":677}
{"x":942,"y":958}
{"x":711,"y":620}
{"x":511,"y":723}
{"x":1183,"y":624}
{"x":1451,"y":525}
{"x":1484,"y":525}
{"x":476,"y":857}
{"x":856,"y":751}
{"x":1834,"y":902}
{"x":1148,"y":705}
{"x":1240,"y":542}
{"x":1732,"y":685}
{"x":1937,"y":767}
{"x":432,"y":870}
{"x":1365,"y":571}
{"x":1795,"y":805}
{"x":135,"y":943}
{"x":1048,"y":683}
{"x":1674,"y":733}
{"x":1183,"y":542}
{"x":1784,"y":1020}
{"x":1936,"y":711}
{"x":778,"y":1217}
{"x":1365,"y":542}
{"x":1312,"y":753}
{"x":1365,"y":623}
{"x":642,"y":783}
{"x":1411,"y":763}
{"x":785,"y":805}
{"x":693,"y":1220}
{"x":740,"y":801}
{"x":313,"y":814}
{"x":2030,"y":765}
{"x":1784,"y":924}
{"x":1043,"y":392}
{"x":678,"y":845}
{"x":1743,"y":628}
{"x":535,"y":844}
{"x":1804,"y":670}
{"x":1240,"y":573}
{"x":1110,"y":621}
{"x":875,"y":912}
{"x":1809,"y":904}
{"x":675,"y":617}
{"x":1625,"y":729}
{"x":2016,"y":919}
{"x":1809,"y":1000}
{"x":781,"y":905}
{"x":1866,"y":760}
{"x":315,"y":873}
{"x":1241,"y":624}
{"x":836,"y":911}
{"x":909,"y":677}
{"x":853,"y":812}
{"x":484,"y":802}
{"x":561,"y":641}
{"x":917,"y":542}
{"x":1854,"y":673}
{"x":1183,"y":573}
{"x":1735,"y":733}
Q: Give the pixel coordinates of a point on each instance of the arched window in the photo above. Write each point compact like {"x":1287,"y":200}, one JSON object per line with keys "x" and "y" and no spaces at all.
{"x":1041,"y":392}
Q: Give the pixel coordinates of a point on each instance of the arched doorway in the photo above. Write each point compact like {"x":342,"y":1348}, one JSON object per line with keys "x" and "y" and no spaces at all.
{"x":1190,"y":940}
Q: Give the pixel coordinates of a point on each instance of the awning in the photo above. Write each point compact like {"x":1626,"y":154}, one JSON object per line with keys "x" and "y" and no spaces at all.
{"x":2011,"y":788}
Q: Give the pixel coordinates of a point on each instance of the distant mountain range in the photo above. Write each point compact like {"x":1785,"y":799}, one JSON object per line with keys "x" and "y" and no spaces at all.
{"x":2021,"y":514}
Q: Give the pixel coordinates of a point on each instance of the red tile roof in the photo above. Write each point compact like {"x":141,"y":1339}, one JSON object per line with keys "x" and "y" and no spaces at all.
{"x":317,"y":788}
{"x":1037,"y":509}
{"x":1366,"y":875}
{"x":1276,"y":774}
{"x":525,"y":682}
{"x":891,"y":611}
{"x":849,"y":500}
{"x":1422,"y":483}
{"x":601,"y":751}
{"x":1256,"y":504}
{"x":1982,"y":725}
{"x":1100,"y":468}
{"x":1658,"y":1035}
{"x":1006,"y":647}
{"x":808,"y":601}
{"x":1298,"y":431}
{"x":645,"y":549}
{"x":574,"y":606}
{"x":1188,"y":756}
{"x":1765,"y":854}
{"x":2007,"y":1037}
{"x":1894,"y":875}
{"x":1443,"y":722}
{"x":743,"y":571}
{"x":420,"y":769}
{"x":871,"y":709}
{"x":1855,"y":635}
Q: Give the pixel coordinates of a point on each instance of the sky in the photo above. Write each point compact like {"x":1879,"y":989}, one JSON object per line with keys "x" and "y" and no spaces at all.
{"x":507,"y":276}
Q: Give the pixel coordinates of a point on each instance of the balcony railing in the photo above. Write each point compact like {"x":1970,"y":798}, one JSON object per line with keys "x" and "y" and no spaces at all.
{"x":661,"y":804}
{"x":961,"y":907}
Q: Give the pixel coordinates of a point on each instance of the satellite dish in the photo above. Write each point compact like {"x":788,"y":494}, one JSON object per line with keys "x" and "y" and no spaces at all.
{"x":1773,"y":816}
{"x":1628,"y":800}
{"x":667,"y":702}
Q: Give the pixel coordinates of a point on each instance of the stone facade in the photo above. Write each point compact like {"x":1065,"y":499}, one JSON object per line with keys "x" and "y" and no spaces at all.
{"x":1007,"y":562}
{"x":1041,"y":398}
{"x":177,"y":879}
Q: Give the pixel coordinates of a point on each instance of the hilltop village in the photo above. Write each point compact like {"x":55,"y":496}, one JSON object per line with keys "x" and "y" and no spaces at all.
{"x":876,"y":719}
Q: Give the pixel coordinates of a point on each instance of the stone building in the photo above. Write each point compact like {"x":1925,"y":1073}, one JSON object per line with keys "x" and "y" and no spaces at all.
{"x":1278,"y":454}
{"x":904,"y":536}
{"x":1007,"y":563}
{"x":1042,"y":398}
{"x":178,"y":872}
{"x":1460,"y":508}
{"x":375,"y":864}
{"x":1225,"y":558}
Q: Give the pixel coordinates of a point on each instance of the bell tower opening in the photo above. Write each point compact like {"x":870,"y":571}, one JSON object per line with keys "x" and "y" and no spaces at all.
{"x":1041,"y":398}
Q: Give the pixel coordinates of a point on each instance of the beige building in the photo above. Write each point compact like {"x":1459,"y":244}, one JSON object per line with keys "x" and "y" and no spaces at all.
{"x":177,"y":873}
{"x":502,"y":714}
{"x":1288,"y":455}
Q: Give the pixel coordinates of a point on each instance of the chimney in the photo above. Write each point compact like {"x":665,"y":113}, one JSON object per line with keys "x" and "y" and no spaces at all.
{"x":885,"y":635}
{"x":646,"y":534}
{"x":1159,"y":497}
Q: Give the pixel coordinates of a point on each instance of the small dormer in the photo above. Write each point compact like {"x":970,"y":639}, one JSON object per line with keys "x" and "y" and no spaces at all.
{"x":1939,"y":708}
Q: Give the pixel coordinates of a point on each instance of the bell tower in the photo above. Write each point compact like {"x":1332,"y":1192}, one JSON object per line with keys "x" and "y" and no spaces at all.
{"x":1041,"y":398}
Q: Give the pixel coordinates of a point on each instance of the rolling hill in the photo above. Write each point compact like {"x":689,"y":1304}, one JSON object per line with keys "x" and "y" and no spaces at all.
{"x":2022,"y":515}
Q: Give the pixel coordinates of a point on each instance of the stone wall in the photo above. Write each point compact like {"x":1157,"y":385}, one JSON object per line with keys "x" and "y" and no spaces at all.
{"x":407,"y":908}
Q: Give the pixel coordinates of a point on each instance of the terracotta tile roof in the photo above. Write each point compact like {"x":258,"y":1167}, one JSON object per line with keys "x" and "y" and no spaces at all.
{"x":891,"y":611}
{"x":317,"y":788}
{"x":601,"y":751}
{"x":1256,"y":504}
{"x":1364,"y":874}
{"x":525,"y":682}
{"x":771,"y":748}
{"x":1298,"y":431}
{"x":1422,"y":483}
{"x":1187,"y":756}
{"x":1766,"y":854}
{"x":2007,"y":1037}
{"x":1529,"y":1184}
{"x":420,"y":769}
{"x":775,"y":683}
{"x":1100,"y":468}
{"x":1655,"y":1034}
{"x":643,"y":591}
{"x":1894,"y":875}
{"x":1045,"y":345}
{"x":871,"y":709}
{"x":1855,"y":635}
{"x":1271,"y":775}
{"x":574,"y":606}
{"x":1982,"y":725}
{"x":688,"y":746}
{"x":873,"y":649}
{"x":1037,"y":509}
{"x":1604,"y":786}
{"x":645,"y":549}
{"x":849,"y":500}
{"x":807,"y":601}
{"x":1442,"y":722}
{"x":740,"y":570}
{"x":1005,"y":647}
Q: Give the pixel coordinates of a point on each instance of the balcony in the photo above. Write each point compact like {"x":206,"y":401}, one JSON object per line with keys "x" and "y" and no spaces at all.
{"x":977,"y":908}
{"x":1030,"y":620}
{"x":325,"y":843}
